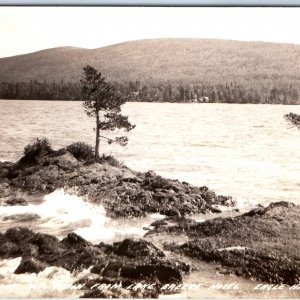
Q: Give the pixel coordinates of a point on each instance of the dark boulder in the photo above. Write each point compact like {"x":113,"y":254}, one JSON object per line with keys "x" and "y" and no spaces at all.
{"x":29,"y":243}
{"x":19,"y":235}
{"x":9,"y":249}
{"x":161,"y":273}
{"x":137,"y":249}
{"x":16,"y":201}
{"x":127,"y":260}
{"x":30,"y":265}
{"x":5,"y":167}
{"x":73,"y":240}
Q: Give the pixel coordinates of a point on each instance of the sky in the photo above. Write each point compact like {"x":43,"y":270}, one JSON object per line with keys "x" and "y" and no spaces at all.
{"x":28,"y":29}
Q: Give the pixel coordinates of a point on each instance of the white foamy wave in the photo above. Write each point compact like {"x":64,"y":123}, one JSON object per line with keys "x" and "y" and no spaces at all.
{"x":59,"y":214}
{"x":52,"y":282}
{"x":66,"y":209}
{"x":157,"y":216}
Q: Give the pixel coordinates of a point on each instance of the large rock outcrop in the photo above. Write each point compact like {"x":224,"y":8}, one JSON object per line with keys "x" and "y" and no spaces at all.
{"x":126,"y":262}
{"x":123,"y":192}
{"x":262,"y":243}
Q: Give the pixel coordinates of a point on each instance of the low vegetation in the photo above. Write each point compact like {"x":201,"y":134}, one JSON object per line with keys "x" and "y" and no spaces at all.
{"x":82,"y":151}
{"x":109,"y":159}
{"x":40,"y":147}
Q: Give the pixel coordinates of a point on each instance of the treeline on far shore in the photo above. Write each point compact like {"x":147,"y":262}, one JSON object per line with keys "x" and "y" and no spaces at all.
{"x":158,"y":92}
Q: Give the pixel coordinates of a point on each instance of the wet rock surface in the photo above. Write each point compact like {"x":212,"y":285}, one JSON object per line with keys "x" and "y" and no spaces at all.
{"x":262,"y":243}
{"x":30,"y":265}
{"x":123,"y":192}
{"x":127,"y":262}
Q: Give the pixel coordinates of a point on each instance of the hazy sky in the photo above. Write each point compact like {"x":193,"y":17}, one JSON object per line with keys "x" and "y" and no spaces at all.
{"x":28,"y":29}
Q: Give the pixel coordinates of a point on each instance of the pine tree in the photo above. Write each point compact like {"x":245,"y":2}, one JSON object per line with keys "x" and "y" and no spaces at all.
{"x":103,"y":102}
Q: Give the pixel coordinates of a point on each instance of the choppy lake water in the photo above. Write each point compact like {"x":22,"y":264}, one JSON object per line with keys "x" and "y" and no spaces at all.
{"x":246,"y":151}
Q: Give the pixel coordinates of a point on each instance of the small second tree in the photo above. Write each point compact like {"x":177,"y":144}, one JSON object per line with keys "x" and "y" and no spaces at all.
{"x":293,"y":119}
{"x":104,"y":103}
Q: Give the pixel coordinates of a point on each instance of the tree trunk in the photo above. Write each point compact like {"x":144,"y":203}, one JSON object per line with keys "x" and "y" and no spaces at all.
{"x":97,"y":137}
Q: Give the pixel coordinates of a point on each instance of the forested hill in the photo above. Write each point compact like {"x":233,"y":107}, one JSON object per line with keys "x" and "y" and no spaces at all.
{"x":168,"y":62}
{"x":188,"y":60}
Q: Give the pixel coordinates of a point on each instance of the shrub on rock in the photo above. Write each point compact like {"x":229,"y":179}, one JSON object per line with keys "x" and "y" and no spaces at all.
{"x":82,"y":151}
{"x":38,"y":148}
{"x":109,"y":159}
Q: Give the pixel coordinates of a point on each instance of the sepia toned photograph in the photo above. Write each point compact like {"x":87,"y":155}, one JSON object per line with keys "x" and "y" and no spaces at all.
{"x":150,"y":152}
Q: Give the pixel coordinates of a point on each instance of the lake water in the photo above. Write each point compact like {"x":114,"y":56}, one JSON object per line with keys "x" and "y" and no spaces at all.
{"x":246,"y":151}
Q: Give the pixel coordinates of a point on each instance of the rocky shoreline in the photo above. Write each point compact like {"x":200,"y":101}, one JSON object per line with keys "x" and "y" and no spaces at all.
{"x":122,"y":264}
{"x":122,"y":191}
{"x":261,"y":244}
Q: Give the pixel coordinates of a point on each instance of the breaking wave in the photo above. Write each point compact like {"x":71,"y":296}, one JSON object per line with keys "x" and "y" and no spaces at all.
{"x":61,"y":213}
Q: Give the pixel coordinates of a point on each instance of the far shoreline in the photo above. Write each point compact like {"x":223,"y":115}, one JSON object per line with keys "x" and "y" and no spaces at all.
{"x":159,"y":102}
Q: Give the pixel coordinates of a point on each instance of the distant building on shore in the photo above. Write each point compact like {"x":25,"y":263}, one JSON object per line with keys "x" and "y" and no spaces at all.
{"x":203,"y":100}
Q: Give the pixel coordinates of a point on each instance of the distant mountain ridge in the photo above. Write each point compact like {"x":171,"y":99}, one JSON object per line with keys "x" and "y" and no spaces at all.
{"x":176,"y":59}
